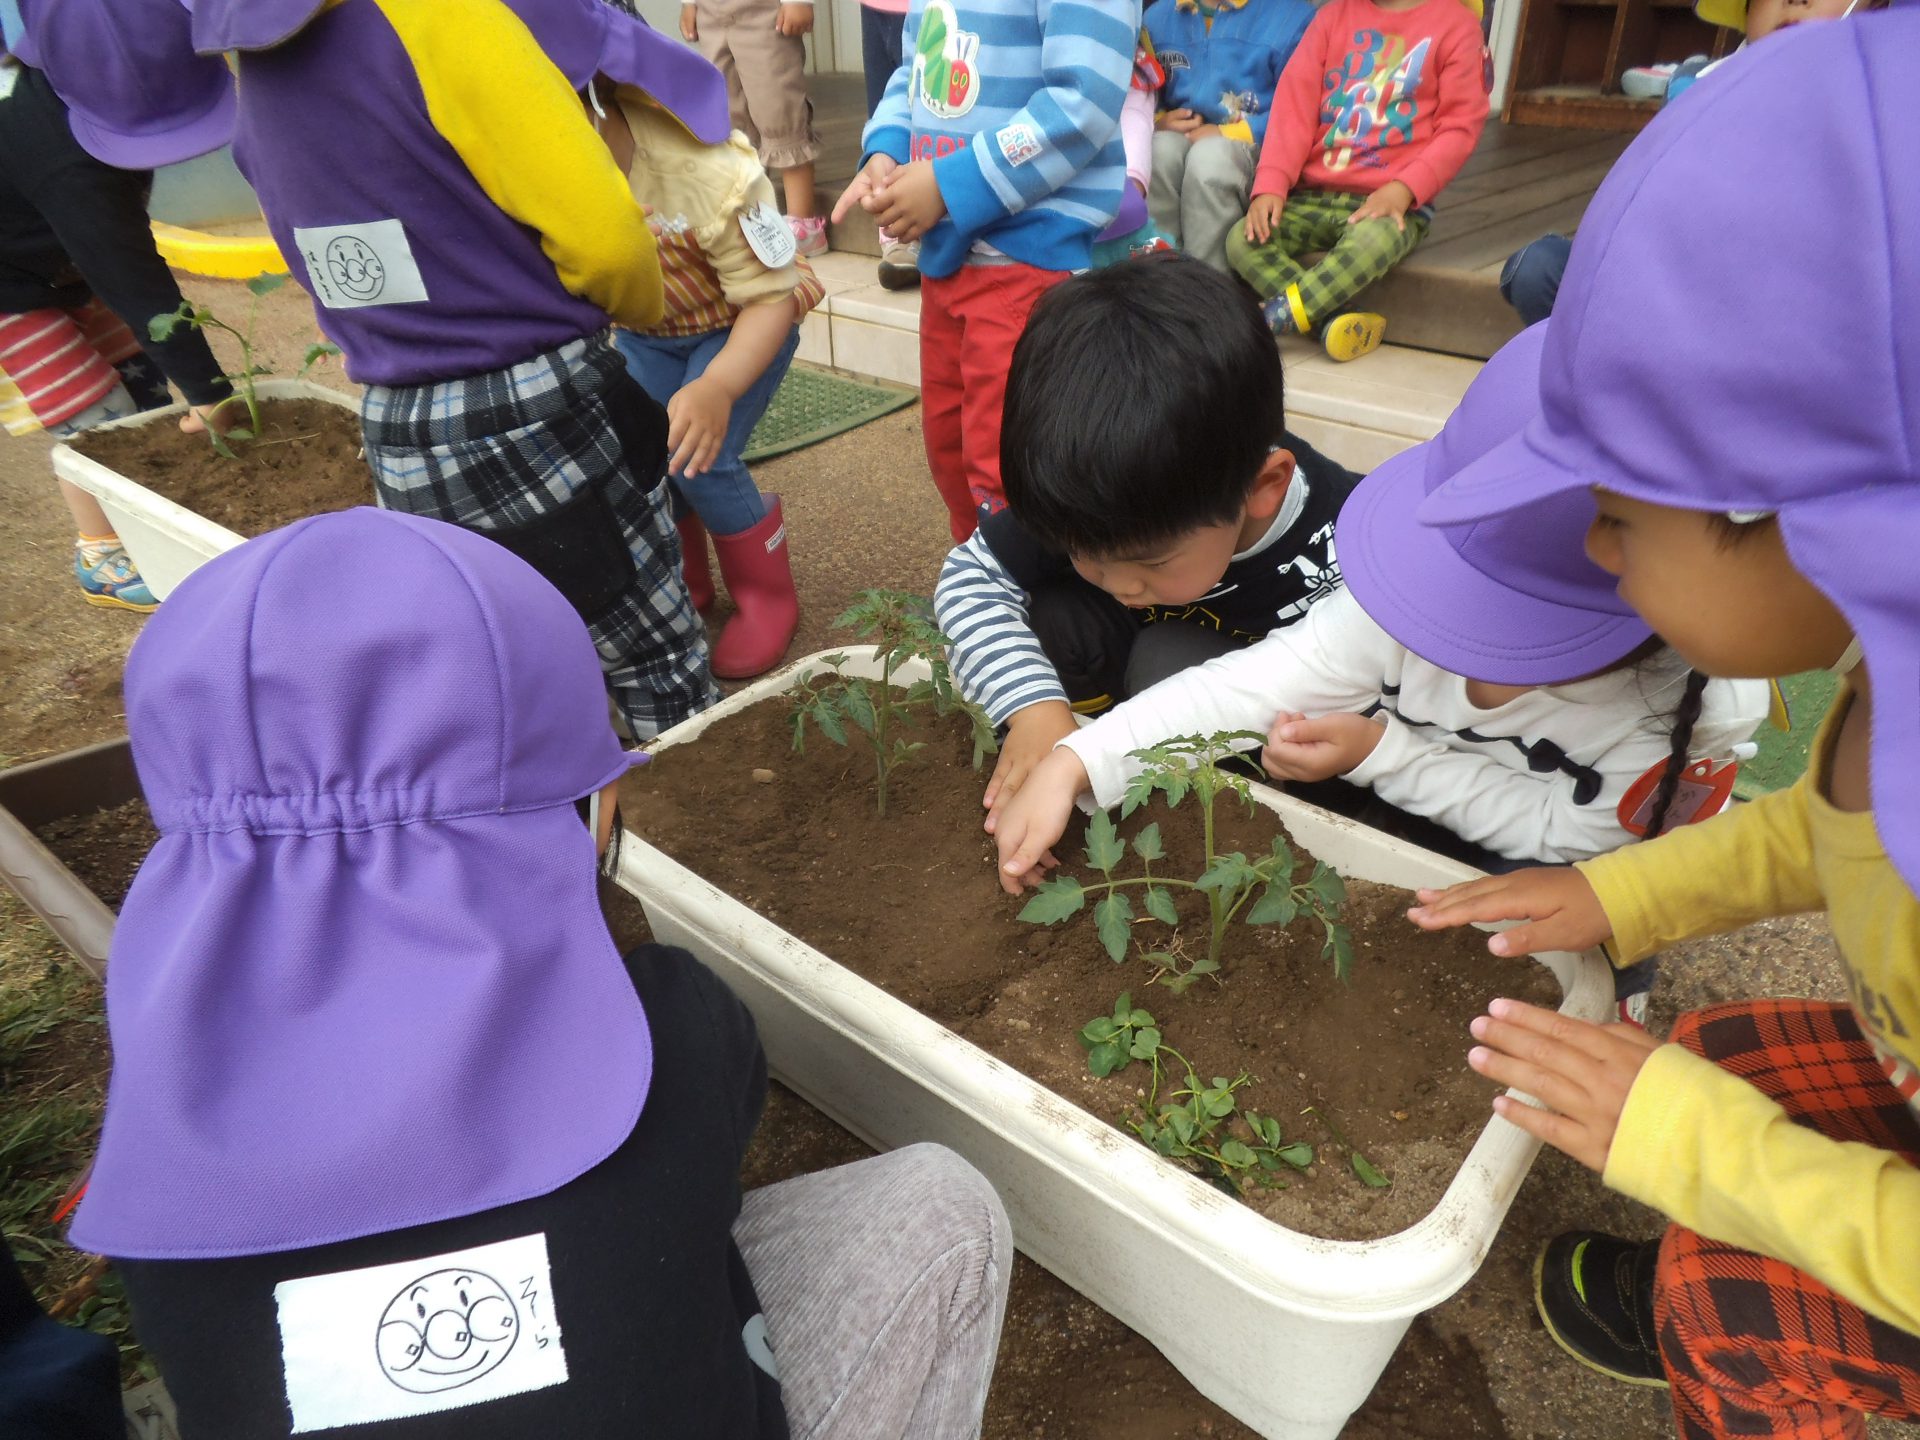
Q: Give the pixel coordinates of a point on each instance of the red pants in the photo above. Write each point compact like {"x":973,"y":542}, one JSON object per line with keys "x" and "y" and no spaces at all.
{"x":1753,"y":1346}
{"x":969,"y":322}
{"x":56,"y":363}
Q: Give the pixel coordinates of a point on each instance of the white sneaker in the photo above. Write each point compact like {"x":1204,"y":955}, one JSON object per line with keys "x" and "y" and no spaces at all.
{"x":899,"y":263}
{"x":1649,"y":82}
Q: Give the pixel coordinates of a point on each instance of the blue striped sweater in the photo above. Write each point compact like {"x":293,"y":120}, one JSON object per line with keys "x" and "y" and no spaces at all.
{"x":1017,"y":104}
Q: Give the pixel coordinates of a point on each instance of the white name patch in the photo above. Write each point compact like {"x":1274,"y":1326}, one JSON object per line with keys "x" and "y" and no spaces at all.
{"x":441,"y":1333}
{"x":1018,"y":143}
{"x":353,"y":266}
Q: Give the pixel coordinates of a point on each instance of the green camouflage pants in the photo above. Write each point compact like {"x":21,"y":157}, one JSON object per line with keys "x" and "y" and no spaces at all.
{"x":1316,"y":220}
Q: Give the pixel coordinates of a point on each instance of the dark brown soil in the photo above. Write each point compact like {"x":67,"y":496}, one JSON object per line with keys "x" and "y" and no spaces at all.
{"x":912,"y":904}
{"x":306,"y":461}
{"x":105,"y":848}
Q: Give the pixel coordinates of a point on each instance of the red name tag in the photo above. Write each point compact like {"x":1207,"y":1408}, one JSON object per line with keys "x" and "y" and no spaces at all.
{"x":1702,"y":792}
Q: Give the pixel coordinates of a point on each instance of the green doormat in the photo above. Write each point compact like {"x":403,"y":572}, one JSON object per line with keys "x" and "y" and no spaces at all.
{"x":1783,"y":753}
{"x":813,"y":404}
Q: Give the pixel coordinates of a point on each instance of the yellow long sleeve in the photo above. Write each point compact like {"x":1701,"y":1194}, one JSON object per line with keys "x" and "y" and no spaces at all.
{"x":517,"y":125}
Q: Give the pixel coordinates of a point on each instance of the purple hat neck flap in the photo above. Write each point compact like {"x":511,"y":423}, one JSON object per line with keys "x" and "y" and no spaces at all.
{"x":249,"y":24}
{"x":1779,"y":381}
{"x":362,"y":982}
{"x":1512,"y":600}
{"x":137,"y":96}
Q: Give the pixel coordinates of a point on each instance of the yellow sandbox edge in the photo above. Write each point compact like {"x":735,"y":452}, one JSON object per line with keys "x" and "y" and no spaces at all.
{"x":219,"y":257}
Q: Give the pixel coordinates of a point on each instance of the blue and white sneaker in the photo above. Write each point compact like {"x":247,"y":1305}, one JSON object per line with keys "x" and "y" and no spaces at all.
{"x":112,"y":581}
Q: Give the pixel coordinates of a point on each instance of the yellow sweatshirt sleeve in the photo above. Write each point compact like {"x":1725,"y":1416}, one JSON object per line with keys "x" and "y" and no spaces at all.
{"x":517,"y":124}
{"x":1754,"y":862}
{"x":1721,"y":1158}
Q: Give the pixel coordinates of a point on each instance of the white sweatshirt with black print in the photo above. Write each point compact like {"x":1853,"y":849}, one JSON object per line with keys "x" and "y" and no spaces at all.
{"x":1539,"y":778}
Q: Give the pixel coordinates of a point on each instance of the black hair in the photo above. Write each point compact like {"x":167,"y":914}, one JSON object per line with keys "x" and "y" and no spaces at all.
{"x":1685,"y":716}
{"x":1142,"y":402}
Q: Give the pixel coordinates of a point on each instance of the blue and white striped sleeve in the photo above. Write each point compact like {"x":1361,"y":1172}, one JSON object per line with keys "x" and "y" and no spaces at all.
{"x":996,"y":656}
{"x":1086,"y":68}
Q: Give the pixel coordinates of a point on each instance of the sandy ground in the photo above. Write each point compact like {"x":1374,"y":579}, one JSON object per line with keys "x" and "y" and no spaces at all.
{"x":862,"y":512}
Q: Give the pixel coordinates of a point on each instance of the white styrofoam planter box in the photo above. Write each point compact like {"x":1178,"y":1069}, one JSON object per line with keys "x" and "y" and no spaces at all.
{"x":1286,"y":1331}
{"x":168,"y":542}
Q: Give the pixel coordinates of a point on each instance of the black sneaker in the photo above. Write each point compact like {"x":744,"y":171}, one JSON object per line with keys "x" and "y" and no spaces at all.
{"x":1595,"y":1294}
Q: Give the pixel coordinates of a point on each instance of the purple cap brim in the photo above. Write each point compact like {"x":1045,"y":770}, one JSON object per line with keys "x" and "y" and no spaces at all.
{"x":1511,"y":476}
{"x":1415,"y":584}
{"x":248,"y":24}
{"x":150,"y":149}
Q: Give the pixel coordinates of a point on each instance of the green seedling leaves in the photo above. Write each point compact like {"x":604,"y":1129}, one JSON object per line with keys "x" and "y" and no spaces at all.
{"x":1236,"y":1155}
{"x":1113,"y":917}
{"x":1339,"y":948}
{"x":1224,"y":872}
{"x":1276,"y":907}
{"x":829,"y":723}
{"x":1104,"y":850}
{"x":1160,"y":905}
{"x":1371,"y":1177}
{"x":1299,"y":1154}
{"x":1147,"y":843}
{"x":1105,"y":1058}
{"x":1328,"y":888}
{"x":161,"y":326}
{"x":1146,"y":1041}
{"x":265,"y":284}
{"x":857,"y":701}
{"x":1054,"y":901}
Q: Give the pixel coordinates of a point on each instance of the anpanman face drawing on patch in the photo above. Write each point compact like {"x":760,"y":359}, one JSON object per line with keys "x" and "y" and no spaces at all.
{"x":446,"y":1329}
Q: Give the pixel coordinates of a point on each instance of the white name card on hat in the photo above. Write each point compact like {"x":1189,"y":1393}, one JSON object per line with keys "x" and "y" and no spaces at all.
{"x":438,"y":1333}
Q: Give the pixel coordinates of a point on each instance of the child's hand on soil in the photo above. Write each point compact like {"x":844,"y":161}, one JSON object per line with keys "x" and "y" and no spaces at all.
{"x":1179,"y":121}
{"x":1305,"y":749}
{"x":1031,"y":735}
{"x":794,"y":19}
{"x":697,"y":418}
{"x":1029,"y":824}
{"x":871,"y":174}
{"x":1262,"y":216}
{"x":1389,"y":202}
{"x":908,"y":202}
{"x":1559,"y":905}
{"x":689,"y":23}
{"x":1581,"y":1070}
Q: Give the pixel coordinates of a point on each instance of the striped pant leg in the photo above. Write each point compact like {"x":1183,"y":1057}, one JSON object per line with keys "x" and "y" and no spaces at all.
{"x":1269,"y":266}
{"x":49,"y":373}
{"x":1752,"y":1346}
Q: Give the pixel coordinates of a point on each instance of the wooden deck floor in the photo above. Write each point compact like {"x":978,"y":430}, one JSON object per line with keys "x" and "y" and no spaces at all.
{"x":1521,"y":182}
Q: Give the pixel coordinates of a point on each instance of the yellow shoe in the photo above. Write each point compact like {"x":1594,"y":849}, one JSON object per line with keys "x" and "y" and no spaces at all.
{"x":1356,"y":333}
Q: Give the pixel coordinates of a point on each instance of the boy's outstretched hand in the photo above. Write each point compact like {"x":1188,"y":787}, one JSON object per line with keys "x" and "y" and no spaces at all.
{"x":1029,"y":824}
{"x":1390,"y":202}
{"x":1581,"y":1070}
{"x":1305,"y":749}
{"x":697,"y":417}
{"x":794,"y":19}
{"x":908,"y":202}
{"x":1559,"y":905}
{"x":1031,"y":733}
{"x":871,"y":174}
{"x":1263,"y":215}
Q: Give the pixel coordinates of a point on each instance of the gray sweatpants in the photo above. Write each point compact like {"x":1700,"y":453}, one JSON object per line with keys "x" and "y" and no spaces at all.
{"x":1198,"y":192}
{"x":884,"y":1283}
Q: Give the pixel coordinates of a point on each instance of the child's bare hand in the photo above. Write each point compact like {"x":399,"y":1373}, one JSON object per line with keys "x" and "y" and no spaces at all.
{"x":1559,"y":905}
{"x":1031,"y":735}
{"x":794,"y":19}
{"x":1318,"y":749}
{"x":1390,"y":202}
{"x":1180,"y":121}
{"x":1202,"y":132}
{"x":1263,"y":215}
{"x":871,"y":174}
{"x":697,"y":418}
{"x":1032,"y":821}
{"x":908,"y":202}
{"x":689,"y":23}
{"x":1580,"y":1070}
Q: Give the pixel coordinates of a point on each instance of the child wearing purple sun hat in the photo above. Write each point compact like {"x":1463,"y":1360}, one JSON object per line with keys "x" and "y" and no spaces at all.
{"x":1757,"y":475}
{"x":1514,"y":719}
{"x":395,"y":1137}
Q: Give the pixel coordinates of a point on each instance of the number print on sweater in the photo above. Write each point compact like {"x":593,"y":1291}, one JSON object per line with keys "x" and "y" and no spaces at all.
{"x":1370,"y":102}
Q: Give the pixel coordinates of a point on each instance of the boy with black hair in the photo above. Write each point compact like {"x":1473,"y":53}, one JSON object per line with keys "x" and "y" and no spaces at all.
{"x":1159,"y":512}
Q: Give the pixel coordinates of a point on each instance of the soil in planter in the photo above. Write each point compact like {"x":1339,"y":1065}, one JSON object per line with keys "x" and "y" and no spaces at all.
{"x":306,"y":462}
{"x":912,"y":904}
{"x":103,"y":849}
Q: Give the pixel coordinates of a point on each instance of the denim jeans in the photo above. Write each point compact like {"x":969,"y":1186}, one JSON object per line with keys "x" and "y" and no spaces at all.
{"x":724,"y":496}
{"x":1530,"y":280}
{"x":882,"y":45}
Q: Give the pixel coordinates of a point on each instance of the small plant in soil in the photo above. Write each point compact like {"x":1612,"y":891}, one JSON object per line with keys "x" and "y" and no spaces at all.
{"x":839,"y":705}
{"x":1369,"y":1174}
{"x":1264,"y":888}
{"x":1196,"y":1122}
{"x":199,"y":317}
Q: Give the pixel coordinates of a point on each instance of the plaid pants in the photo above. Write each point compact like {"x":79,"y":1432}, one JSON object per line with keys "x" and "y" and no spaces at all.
{"x":1752,"y":1346}
{"x":562,"y":459}
{"x":1316,"y":220}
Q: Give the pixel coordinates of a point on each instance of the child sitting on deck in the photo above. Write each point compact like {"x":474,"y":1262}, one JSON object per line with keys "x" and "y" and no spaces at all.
{"x":1487,"y":679}
{"x":1375,"y":113}
{"x":1781,"y":1137}
{"x":736,"y":291}
{"x":1159,"y":512}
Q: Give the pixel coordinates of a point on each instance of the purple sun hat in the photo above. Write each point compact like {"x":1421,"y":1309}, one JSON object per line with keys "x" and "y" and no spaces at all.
{"x":1709,"y":353}
{"x":137,"y":96}
{"x":1512,"y":600}
{"x":362,"y":982}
